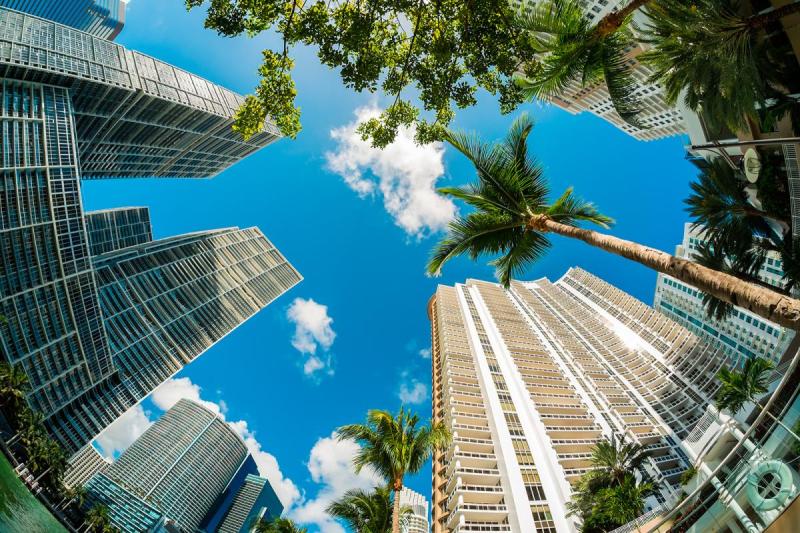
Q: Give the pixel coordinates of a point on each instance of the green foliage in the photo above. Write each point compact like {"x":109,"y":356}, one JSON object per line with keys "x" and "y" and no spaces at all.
{"x":716,"y":58}
{"x":394,"y":445}
{"x":366,"y":512}
{"x":98,"y":520}
{"x":14,"y":385}
{"x":609,"y":496}
{"x":442,"y":51}
{"x":510,"y":190}
{"x":688,"y":475}
{"x":572,"y":51}
{"x":740,"y":387}
{"x":278,"y":525}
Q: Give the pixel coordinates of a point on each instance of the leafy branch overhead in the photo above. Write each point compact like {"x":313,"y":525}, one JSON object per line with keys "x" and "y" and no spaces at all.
{"x":441,"y":52}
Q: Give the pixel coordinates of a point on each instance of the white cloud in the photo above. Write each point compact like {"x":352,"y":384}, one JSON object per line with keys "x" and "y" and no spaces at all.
{"x":172,"y":390}
{"x":404,"y":173}
{"x":412,"y":391}
{"x":330,"y":464}
{"x":313,"y":331}
{"x":129,"y":426}
{"x":123,"y":431}
{"x":425,"y":353}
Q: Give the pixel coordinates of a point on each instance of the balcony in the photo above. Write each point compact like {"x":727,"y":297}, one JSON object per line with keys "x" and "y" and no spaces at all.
{"x":481,"y":527}
{"x":474,"y":512}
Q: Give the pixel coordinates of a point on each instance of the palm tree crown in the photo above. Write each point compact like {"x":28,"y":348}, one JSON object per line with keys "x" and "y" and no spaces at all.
{"x":739,"y":387}
{"x":13,"y":383}
{"x":277,"y":525}
{"x":395,"y":446}
{"x":575,"y":52}
{"x":617,"y":459}
{"x":511,"y":189}
{"x":366,"y":512}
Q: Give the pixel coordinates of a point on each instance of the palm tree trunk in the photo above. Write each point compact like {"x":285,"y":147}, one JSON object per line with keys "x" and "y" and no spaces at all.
{"x":759,"y":21}
{"x":398,"y":486}
{"x":612,"y":22}
{"x":766,"y":303}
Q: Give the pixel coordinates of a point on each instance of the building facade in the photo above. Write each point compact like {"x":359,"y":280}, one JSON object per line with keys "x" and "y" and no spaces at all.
{"x":179,"y":466}
{"x":657,"y":118}
{"x":76,"y":106}
{"x":418,"y":505}
{"x":83,"y":465}
{"x":220,"y":508}
{"x":101,"y":18}
{"x":531,"y":378}
{"x":114,"y":229}
{"x":164,"y":303}
{"x":254,"y":501}
{"x":743,"y":335}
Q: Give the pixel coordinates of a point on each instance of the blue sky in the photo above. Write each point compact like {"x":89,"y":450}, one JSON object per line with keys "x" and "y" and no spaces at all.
{"x":359,"y":226}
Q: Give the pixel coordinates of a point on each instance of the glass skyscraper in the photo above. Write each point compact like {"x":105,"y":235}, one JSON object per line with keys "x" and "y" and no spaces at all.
{"x":178,"y":467}
{"x":529,"y":379}
{"x":101,"y":18}
{"x":72,"y":283}
{"x":255,"y":500}
{"x":114,"y":229}
{"x":164,"y":303}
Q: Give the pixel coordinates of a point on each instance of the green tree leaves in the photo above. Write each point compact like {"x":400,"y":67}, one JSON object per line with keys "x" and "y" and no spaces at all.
{"x":440,"y":53}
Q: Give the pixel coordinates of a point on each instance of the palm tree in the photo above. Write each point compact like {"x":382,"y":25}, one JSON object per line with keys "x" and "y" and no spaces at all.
{"x":616,"y":459}
{"x":717,"y":58}
{"x":76,"y":494}
{"x":13,"y":384}
{"x":748,"y":385}
{"x":395,"y":446}
{"x":512,"y":217}
{"x":719,"y":202}
{"x":573,"y":51}
{"x":366,"y":512}
{"x":278,"y":525}
{"x":97,"y":519}
{"x":615,"y":506}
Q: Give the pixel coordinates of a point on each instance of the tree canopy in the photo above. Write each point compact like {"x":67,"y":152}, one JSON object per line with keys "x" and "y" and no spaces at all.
{"x":439,"y":53}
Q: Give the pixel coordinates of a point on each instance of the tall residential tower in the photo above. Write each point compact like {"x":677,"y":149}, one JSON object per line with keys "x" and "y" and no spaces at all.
{"x":529,"y":379}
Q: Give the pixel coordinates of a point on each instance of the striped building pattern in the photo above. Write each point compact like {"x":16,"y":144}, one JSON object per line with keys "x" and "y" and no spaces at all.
{"x":530,"y":378}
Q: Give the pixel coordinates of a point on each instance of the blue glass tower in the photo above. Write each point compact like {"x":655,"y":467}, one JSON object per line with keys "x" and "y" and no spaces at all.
{"x":102,"y":18}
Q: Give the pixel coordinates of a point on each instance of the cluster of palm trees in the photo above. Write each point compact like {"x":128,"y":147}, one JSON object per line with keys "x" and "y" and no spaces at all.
{"x":43,"y":455}
{"x":610,"y":495}
{"x":710,"y":53}
{"x":98,"y":520}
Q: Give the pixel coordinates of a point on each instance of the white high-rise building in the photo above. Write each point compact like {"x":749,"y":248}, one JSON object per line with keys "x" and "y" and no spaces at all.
{"x":418,"y":517}
{"x":743,"y":334}
{"x":85,"y":463}
{"x":658,"y":118}
{"x":531,"y":378}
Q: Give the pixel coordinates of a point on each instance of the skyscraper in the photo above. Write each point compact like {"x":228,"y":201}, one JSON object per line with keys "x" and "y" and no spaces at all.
{"x":77,"y":106}
{"x":178,"y":467}
{"x":164,"y":303}
{"x":743,"y":334}
{"x":114,"y":229}
{"x":529,"y":379}
{"x":101,"y":18}
{"x":418,"y":505}
{"x":255,"y":500}
{"x":657,"y":117}
{"x":83,"y":465}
